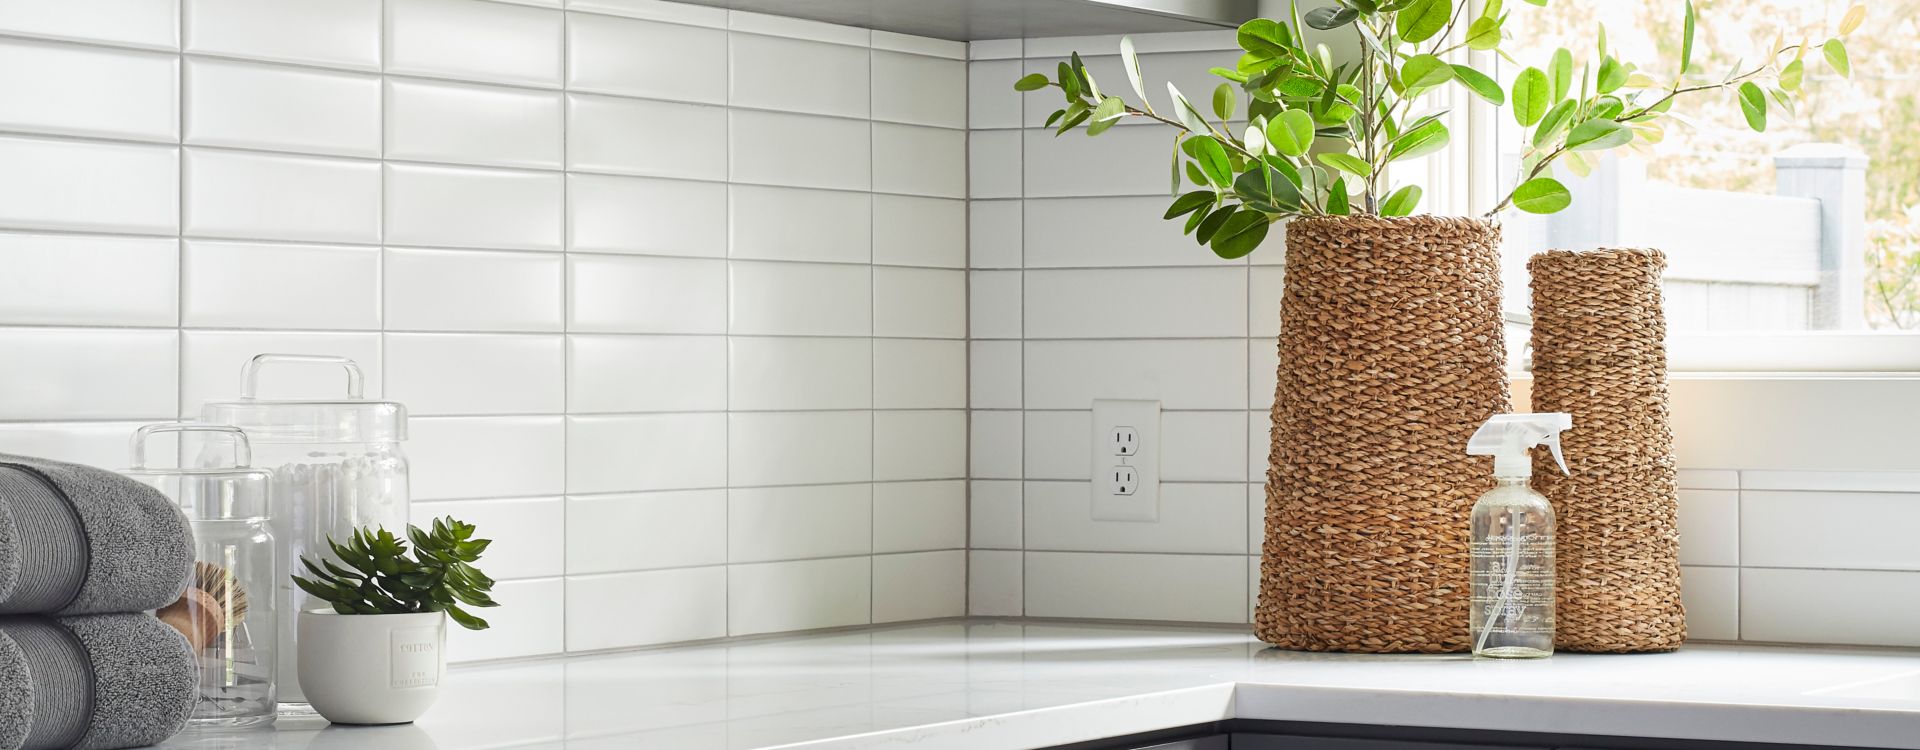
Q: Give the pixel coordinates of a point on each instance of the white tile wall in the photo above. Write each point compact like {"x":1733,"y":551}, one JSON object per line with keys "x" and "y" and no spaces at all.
{"x":685,"y":407}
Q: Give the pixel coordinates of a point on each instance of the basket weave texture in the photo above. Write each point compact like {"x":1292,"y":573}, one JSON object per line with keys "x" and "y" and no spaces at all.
{"x":1391,"y":355}
{"x":1599,"y":353}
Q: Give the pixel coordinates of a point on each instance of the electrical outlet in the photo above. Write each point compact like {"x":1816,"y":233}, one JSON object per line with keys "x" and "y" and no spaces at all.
{"x":1125,"y":461}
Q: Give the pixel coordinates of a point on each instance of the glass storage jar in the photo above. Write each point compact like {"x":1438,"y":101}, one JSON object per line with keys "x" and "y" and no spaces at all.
{"x":227,"y":613}
{"x":336,"y":465}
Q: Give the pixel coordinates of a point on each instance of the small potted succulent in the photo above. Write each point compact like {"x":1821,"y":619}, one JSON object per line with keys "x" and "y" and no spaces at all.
{"x":377,"y":657}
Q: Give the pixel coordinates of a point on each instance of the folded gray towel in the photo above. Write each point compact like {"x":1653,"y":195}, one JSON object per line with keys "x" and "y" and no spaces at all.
{"x":93,"y":682}
{"x":78,"y":540}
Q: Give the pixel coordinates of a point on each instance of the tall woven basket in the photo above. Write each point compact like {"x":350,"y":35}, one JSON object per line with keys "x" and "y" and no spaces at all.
{"x":1599,"y":353}
{"x":1390,"y":357}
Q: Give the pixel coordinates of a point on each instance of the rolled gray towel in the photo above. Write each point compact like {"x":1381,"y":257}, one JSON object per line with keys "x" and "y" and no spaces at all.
{"x":76,"y":540}
{"x":93,"y":682}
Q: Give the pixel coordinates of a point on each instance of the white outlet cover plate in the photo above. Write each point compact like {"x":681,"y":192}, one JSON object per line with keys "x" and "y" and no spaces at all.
{"x":1106,"y":460}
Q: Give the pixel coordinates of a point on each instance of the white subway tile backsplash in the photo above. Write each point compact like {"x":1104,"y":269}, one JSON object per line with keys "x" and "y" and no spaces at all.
{"x":772,"y":597}
{"x":797,"y":28}
{"x":919,"y":302}
{"x":644,"y":216}
{"x":776,"y":223}
{"x":994,"y":234}
{"x":73,"y":185}
{"x":469,"y":124}
{"x":994,"y":380}
{"x":144,"y":23}
{"x":1850,"y":530}
{"x":627,"y":57}
{"x":919,"y":89}
{"x":1825,"y":606}
{"x":1056,"y":446}
{"x":528,"y":533}
{"x":258,"y":285}
{"x":86,"y":373}
{"x":93,"y":443}
{"x":1192,"y":588}
{"x":1263,"y":373}
{"x":994,"y":440}
{"x":1194,"y":518}
{"x":656,"y":10}
{"x":468,"y":290}
{"x":1709,"y":527}
{"x":529,"y":622}
{"x":766,"y":524}
{"x":644,"y":531}
{"x":616,"y":294}
{"x":1122,"y":161}
{"x":614,"y":373}
{"x":919,"y":445}
{"x":993,"y":304}
{"x":916,"y":160}
{"x":919,"y":45}
{"x":995,"y":582}
{"x":1203,"y":446}
{"x":916,"y":516}
{"x":915,"y":231}
{"x":475,"y":457}
{"x":469,"y":207}
{"x":1716,"y":479}
{"x":760,"y":70}
{"x":783,"y":373}
{"x":919,"y":586}
{"x":993,"y":164}
{"x":646,"y":138}
{"x":799,"y":299}
{"x":919,"y":374}
{"x":1180,"y":373}
{"x":1831,"y":481}
{"x":634,"y":453}
{"x":839,"y":153}
{"x":1712,"y":600}
{"x":639,"y":609}
{"x":810,"y":447}
{"x":338,"y":33}
{"x":282,"y":108}
{"x":211,"y":362}
{"x":474,"y":40}
{"x":89,"y":91}
{"x":245,"y":195}
{"x":996,"y":515}
{"x":991,"y":100}
{"x":1160,"y":303}
{"x":62,"y":279}
{"x":454,"y":373}
{"x":1265,"y":285}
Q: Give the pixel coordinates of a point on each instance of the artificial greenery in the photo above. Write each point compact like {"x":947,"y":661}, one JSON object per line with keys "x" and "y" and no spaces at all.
{"x":381,"y":579}
{"x":1319,"y":137}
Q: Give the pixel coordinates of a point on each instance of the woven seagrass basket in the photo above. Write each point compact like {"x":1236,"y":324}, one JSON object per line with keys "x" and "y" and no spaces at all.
{"x":1390,"y":357}
{"x":1599,"y":353}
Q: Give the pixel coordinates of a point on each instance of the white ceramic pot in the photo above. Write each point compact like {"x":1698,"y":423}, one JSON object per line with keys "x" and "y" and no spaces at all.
{"x":372,"y":669}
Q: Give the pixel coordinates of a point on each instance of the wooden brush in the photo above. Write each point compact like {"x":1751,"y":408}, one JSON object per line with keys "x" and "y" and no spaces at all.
{"x":215,"y":600}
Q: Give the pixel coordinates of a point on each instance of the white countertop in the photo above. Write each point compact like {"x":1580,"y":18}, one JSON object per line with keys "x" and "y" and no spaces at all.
{"x":981,"y":684}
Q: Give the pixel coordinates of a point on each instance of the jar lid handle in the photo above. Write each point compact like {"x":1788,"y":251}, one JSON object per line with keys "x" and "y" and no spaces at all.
{"x":250,"y":374}
{"x":242,"y":449}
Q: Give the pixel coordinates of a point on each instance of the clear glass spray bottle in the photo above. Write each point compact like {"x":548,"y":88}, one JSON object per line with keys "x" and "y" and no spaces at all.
{"x":1512,"y":540}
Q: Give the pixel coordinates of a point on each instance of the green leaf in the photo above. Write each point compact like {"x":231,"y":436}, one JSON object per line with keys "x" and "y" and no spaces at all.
{"x":1224,"y":101}
{"x":1836,"y":54}
{"x":1791,"y":75}
{"x":1480,"y":84}
{"x":1753,"y":105}
{"x":1031,"y":82}
{"x":1284,"y":194}
{"x":1337,"y":200}
{"x":1189,"y":116}
{"x":1348,"y":163}
{"x":1213,"y":160}
{"x":1264,"y":37}
{"x":1291,"y":132}
{"x":1132,"y":63}
{"x":1328,"y":19}
{"x":1561,"y":71}
{"x":1211,"y":225}
{"x":1853,"y":18}
{"x":1418,"y":142}
{"x":1531,"y":96}
{"x":1190,"y":202}
{"x":1110,"y":111}
{"x":1241,"y":235}
{"x":1686,"y":40}
{"x":1541,"y":195}
{"x":1599,"y":135}
{"x":1613,"y":75}
{"x":1401,"y":202}
{"x":1553,"y":123}
{"x":1422,"y":72}
{"x":1484,"y":33}
{"x":1069,"y":83}
{"x":1420,"y":21}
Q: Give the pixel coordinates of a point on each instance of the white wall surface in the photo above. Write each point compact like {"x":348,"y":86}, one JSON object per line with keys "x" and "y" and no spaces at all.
{"x":676,"y":295}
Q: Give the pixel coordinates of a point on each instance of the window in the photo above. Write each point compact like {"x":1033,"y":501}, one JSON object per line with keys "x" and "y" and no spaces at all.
{"x":1797,"y":248}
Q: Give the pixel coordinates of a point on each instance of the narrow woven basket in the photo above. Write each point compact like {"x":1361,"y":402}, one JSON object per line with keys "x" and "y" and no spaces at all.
{"x":1599,"y":353}
{"x":1390,"y":357}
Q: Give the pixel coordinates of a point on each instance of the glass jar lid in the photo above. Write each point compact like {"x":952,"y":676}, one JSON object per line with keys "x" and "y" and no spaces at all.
{"x":221,"y":490}
{"x":353,"y":419}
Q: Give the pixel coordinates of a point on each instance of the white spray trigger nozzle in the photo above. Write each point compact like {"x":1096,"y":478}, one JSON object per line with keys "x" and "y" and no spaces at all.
{"x":1508,"y":437}
{"x":1553,"y":446}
